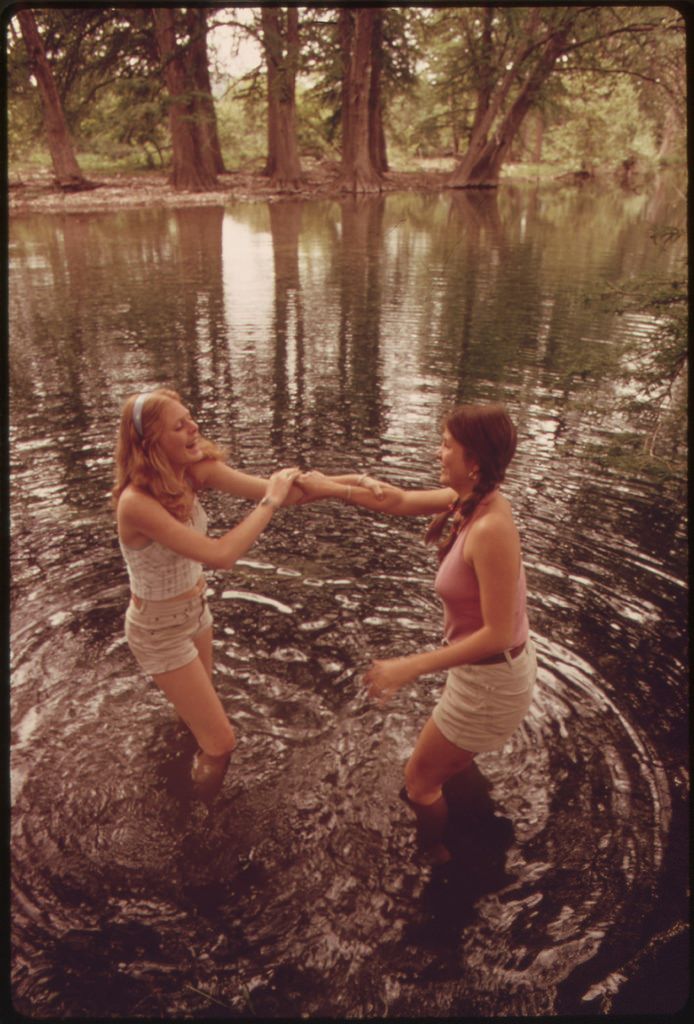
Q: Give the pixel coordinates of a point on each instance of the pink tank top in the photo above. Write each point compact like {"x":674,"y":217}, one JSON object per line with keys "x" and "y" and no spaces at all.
{"x":456,"y":584}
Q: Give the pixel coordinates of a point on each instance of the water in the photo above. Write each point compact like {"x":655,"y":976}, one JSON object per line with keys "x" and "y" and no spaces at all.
{"x":336,"y":335}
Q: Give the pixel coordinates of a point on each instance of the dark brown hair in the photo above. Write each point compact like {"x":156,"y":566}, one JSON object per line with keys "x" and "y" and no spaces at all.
{"x":489,"y":437}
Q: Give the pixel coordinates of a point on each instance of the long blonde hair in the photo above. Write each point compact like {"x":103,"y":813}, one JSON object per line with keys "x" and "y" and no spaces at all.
{"x":140,"y":460}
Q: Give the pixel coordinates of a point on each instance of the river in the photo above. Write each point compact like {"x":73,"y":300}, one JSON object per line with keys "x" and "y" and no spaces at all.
{"x":335,"y":335}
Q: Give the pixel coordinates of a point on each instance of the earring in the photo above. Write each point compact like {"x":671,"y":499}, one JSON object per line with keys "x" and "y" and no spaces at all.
{"x":472,"y":474}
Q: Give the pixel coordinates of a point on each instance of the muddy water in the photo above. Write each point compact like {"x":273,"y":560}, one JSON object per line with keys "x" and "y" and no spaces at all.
{"x":336,"y":335}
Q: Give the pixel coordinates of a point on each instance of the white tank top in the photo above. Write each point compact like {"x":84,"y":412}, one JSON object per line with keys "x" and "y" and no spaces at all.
{"x":156,"y":572}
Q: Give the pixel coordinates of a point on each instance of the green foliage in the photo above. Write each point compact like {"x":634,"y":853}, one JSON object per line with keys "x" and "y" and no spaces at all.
{"x":316,"y":132}
{"x":452,"y":71}
{"x":421,"y":122}
{"x":242,"y":129}
{"x":128,"y":121}
{"x":599,"y":123}
{"x":24,"y":120}
{"x":24,"y":129}
{"x":605,"y":100}
{"x":321,"y":96}
{"x":403,"y":48}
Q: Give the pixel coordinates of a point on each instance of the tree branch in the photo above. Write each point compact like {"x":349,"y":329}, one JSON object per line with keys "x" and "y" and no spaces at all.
{"x":628,"y":72}
{"x":627,"y":29}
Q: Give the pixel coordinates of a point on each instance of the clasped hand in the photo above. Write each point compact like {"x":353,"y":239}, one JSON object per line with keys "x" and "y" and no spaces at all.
{"x":316,"y":485}
{"x":280,"y":483}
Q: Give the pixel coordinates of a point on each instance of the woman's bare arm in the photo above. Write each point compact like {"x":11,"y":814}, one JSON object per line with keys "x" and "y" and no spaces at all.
{"x":391,"y":500}
{"x":218,"y":476}
{"x":141,"y":514}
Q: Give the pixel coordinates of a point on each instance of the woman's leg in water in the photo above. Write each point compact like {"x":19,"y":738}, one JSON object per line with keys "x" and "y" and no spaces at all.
{"x":196,"y":701}
{"x":434,"y":760}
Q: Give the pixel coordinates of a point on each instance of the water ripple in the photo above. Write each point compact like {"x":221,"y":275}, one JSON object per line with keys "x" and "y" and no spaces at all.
{"x":295,"y":812}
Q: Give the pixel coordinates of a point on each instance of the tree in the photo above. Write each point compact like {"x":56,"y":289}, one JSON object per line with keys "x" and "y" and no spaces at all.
{"x":358,"y":33}
{"x":106,"y":69}
{"x":324,"y":54}
{"x":281,"y":47}
{"x":542,"y":41}
{"x":193,"y":163}
{"x":507,"y":58}
{"x":68,"y":175}
{"x":642,"y":52}
{"x":606,"y":130}
{"x":487,"y":82}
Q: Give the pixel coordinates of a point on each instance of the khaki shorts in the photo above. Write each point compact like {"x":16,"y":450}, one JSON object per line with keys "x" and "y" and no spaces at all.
{"x":160,"y":633}
{"x":482,"y":705}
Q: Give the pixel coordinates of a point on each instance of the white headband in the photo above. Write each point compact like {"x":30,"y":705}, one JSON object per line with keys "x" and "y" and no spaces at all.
{"x":137,"y":410}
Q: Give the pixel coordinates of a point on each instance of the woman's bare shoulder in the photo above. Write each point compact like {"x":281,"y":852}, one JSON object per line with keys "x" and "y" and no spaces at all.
{"x":133,"y":503}
{"x":496,"y":518}
{"x":133,"y":496}
{"x":500,"y":505}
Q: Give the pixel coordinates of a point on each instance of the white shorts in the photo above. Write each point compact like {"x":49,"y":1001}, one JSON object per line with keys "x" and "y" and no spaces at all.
{"x":482,"y":705}
{"x":160,"y":633}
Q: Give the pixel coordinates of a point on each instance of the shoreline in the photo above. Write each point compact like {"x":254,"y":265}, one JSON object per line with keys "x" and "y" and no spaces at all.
{"x":36,"y":193}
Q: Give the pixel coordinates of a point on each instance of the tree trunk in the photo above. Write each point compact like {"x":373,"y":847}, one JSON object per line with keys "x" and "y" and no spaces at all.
{"x":346,"y":31}
{"x":192,"y":168}
{"x":455,"y":125}
{"x":358,"y":173}
{"x":481,"y":168}
{"x":68,"y":175}
{"x":282,"y":55}
{"x":377,"y":137}
{"x":272,"y":120}
{"x":669,"y":135}
{"x":200,"y":72}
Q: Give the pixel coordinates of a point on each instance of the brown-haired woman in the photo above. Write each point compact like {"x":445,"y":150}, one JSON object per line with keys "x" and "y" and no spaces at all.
{"x":487,"y":651}
{"x":162,"y":463}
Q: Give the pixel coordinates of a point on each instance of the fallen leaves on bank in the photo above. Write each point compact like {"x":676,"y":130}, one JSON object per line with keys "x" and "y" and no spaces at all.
{"x":38,"y":193}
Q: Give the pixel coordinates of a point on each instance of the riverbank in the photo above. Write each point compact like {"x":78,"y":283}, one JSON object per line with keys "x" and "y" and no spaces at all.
{"x":32,"y":190}
{"x":37,"y":193}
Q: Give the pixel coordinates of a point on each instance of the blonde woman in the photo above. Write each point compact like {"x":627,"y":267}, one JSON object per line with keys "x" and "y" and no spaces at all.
{"x":162,"y":466}
{"x":486,"y":650}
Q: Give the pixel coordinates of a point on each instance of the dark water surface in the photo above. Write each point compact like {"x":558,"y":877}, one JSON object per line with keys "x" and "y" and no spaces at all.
{"x":336,"y":335}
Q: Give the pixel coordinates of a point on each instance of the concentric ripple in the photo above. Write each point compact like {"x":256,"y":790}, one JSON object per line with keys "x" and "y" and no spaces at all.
{"x":299,"y":881}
